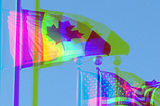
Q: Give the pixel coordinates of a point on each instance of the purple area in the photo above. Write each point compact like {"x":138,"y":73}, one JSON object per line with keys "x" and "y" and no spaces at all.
{"x":153,"y":83}
{"x":96,"y":45}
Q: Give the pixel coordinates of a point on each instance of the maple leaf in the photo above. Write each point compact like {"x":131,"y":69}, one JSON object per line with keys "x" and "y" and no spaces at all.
{"x":54,"y":34}
{"x":72,"y":34}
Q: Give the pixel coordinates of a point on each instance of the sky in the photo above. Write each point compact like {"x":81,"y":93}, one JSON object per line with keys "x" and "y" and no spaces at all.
{"x":136,"y":22}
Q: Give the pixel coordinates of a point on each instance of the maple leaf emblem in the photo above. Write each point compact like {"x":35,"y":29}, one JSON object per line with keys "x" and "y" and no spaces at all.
{"x":64,"y":32}
{"x":72,"y":34}
{"x":54,"y":33}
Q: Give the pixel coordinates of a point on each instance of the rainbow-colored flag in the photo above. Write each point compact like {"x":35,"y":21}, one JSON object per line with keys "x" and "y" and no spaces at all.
{"x":61,"y":37}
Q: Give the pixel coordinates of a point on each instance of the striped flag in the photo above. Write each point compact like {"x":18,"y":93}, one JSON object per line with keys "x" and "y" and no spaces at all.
{"x":150,"y":89}
{"x":109,"y":89}
{"x":156,"y":96}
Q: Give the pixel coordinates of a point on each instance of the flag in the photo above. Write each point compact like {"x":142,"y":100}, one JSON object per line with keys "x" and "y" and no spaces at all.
{"x":131,"y":78}
{"x":28,"y":26}
{"x":61,"y":38}
{"x":102,"y":89}
{"x":89,"y":88}
{"x":150,"y":89}
{"x":154,"y":86}
{"x":156,"y":96}
{"x":109,"y":89}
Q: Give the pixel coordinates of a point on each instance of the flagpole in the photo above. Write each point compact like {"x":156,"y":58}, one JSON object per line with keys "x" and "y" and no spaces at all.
{"x":98,"y":61}
{"x":36,"y":57}
{"x":79,"y":61}
{"x":98,"y":86}
{"x":1,"y":18}
{"x":117,"y":61}
{"x":79,"y":87}
{"x":17,"y":58}
{"x":117,"y":89}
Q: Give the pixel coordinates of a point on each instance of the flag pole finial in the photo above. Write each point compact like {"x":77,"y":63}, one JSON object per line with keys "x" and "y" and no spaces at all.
{"x":97,"y":61}
{"x":78,"y":61}
{"x":116,"y":61}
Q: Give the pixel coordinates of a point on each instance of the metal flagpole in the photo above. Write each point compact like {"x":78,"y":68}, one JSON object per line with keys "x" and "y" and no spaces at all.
{"x":79,"y":87}
{"x":36,"y":57}
{"x":117,"y":61}
{"x":79,"y":61}
{"x":98,"y":86}
{"x":17,"y":58}
{"x":1,"y":18}
{"x":98,"y":61}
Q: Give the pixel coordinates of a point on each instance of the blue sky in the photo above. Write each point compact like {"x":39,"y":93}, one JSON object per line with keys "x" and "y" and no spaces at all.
{"x":137,"y":22}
